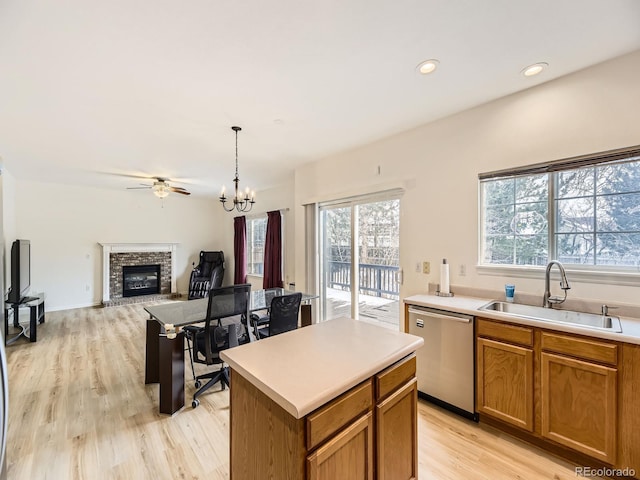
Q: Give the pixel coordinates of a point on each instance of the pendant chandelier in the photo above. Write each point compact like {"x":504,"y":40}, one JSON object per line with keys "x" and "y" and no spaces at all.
{"x":242,"y":202}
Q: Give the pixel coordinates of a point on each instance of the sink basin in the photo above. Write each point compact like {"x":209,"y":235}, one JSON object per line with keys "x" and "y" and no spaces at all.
{"x":581,"y":319}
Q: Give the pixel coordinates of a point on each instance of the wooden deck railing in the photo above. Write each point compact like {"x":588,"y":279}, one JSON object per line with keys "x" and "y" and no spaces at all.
{"x":375,"y":280}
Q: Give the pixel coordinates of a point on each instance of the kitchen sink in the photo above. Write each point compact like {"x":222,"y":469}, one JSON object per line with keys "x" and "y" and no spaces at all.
{"x":581,"y":319}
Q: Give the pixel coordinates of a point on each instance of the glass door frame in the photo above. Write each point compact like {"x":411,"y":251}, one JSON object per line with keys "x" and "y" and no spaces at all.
{"x":351,"y":203}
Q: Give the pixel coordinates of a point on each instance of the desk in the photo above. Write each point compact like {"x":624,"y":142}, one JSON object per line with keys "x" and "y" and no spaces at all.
{"x":164,"y":356}
{"x":36,"y":315}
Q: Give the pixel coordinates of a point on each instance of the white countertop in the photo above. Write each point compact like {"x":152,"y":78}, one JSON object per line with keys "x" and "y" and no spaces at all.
{"x":470,"y":305}
{"x":303,"y":369}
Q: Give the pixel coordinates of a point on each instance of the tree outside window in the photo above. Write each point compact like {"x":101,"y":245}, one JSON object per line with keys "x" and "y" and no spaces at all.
{"x":256,"y":234}
{"x":596,"y":212}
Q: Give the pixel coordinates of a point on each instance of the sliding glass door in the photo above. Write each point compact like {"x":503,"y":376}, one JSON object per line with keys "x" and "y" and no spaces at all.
{"x":360,"y":235}
{"x":335,"y":265}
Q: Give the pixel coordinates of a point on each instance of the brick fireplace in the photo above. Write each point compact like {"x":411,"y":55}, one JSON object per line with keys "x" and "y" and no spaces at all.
{"x":134,"y":256}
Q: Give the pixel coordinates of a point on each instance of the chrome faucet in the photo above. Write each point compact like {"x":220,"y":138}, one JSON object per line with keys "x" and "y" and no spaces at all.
{"x":547,"y":299}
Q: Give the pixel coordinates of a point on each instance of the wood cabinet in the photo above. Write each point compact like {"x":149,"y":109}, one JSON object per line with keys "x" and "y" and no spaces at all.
{"x":367,"y":433}
{"x":578,"y":405}
{"x":505,"y":382}
{"x":397,"y":422}
{"x":560,"y":389}
{"x":504,"y":372}
{"x":344,"y":429}
{"x":346,"y":455}
{"x":628,"y":407}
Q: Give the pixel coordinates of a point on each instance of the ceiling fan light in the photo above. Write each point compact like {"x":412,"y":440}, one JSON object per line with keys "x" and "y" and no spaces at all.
{"x":160,"y":190}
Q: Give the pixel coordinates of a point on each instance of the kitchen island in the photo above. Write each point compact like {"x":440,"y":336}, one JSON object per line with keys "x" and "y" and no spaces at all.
{"x":305,"y":404}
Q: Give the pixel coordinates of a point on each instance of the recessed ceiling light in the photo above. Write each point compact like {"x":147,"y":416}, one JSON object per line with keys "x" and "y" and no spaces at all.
{"x":534,"y":69}
{"x":428,"y":66}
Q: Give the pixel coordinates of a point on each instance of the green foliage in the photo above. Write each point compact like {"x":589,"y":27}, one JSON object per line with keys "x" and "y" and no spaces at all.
{"x":597,"y":213}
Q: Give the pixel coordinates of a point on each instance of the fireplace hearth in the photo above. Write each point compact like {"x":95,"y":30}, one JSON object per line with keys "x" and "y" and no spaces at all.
{"x":115,"y":256}
{"x":140,"y":280}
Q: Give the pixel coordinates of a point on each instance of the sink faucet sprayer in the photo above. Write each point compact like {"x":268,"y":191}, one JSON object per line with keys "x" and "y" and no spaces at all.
{"x":547,"y":299}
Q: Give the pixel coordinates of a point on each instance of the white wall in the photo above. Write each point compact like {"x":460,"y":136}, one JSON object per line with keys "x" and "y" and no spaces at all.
{"x":65,"y":223}
{"x":437,"y":164}
{"x":8,"y":222}
{"x":590,"y":111}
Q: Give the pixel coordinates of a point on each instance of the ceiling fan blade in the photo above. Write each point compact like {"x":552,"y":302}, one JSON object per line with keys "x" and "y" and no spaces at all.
{"x":139,"y":188}
{"x":179,"y":190}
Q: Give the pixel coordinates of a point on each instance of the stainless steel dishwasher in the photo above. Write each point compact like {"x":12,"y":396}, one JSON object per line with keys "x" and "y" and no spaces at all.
{"x":445,"y":363}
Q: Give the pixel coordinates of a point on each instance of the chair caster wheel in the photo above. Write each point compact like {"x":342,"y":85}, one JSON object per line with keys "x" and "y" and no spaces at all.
{"x":195,"y":403}
{"x":198,"y":384}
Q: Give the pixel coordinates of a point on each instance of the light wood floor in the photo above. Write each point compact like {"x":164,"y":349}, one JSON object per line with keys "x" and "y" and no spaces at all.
{"x":79,"y":409}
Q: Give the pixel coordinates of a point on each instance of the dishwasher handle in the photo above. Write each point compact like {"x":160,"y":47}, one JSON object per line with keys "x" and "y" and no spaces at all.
{"x":440,"y":316}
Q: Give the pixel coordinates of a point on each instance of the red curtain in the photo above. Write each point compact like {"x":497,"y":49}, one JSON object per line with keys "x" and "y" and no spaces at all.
{"x":273,"y":251}
{"x":240,"y":250}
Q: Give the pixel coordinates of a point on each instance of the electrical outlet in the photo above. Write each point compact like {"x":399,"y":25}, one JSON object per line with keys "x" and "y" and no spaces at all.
{"x":426,"y":267}
{"x":87,"y":287}
{"x":463,"y":270}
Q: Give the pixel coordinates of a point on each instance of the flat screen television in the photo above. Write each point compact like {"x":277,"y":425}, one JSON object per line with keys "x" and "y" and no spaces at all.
{"x":20,"y":270}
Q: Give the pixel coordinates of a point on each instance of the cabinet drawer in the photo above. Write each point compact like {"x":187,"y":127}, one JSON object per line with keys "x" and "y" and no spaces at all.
{"x":331,"y":418}
{"x":504,"y":331}
{"x":583,"y":348}
{"x":350,"y":453}
{"x":395,"y":376}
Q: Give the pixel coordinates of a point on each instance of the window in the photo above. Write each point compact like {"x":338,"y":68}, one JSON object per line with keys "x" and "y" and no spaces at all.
{"x":256,"y":234}
{"x":582,"y":211}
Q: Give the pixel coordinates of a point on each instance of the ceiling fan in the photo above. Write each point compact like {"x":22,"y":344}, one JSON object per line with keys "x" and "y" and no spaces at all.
{"x":161,"y":188}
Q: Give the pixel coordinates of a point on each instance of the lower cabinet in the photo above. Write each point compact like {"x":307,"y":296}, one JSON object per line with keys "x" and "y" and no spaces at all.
{"x":347,"y":447}
{"x":347,"y":455}
{"x":578,"y":407}
{"x":505,"y":382}
{"x":560,"y":388}
{"x":367,"y":433}
{"x":397,"y":423}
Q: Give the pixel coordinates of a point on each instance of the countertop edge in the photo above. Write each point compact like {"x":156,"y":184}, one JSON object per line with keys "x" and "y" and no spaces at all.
{"x":304,"y":409}
{"x":470,"y":306}
{"x":306,"y":368}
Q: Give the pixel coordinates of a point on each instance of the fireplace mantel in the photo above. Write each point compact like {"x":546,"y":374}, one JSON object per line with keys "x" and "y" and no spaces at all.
{"x":109,"y":248}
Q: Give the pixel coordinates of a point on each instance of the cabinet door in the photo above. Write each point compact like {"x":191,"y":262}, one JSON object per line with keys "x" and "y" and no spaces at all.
{"x":505,"y":382}
{"x":347,"y":455}
{"x":397,"y":434}
{"x":579,"y":405}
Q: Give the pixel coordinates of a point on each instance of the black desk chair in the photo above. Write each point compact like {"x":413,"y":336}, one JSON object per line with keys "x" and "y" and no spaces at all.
{"x":283,"y":316}
{"x":206,"y":343}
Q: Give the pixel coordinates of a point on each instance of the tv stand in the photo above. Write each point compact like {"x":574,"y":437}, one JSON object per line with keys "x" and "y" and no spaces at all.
{"x":36,"y":315}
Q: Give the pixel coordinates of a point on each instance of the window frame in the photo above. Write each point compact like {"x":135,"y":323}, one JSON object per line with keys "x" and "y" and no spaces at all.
{"x":589,"y":273}
{"x":259,"y":216}
{"x":250,"y":244}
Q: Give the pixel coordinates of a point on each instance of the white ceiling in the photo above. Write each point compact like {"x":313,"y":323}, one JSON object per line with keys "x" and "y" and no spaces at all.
{"x":89,"y":88}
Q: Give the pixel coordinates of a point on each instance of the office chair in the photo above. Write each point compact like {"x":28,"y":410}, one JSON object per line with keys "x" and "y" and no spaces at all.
{"x":205,"y":343}
{"x":283,"y":316}
{"x":206,"y":275}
